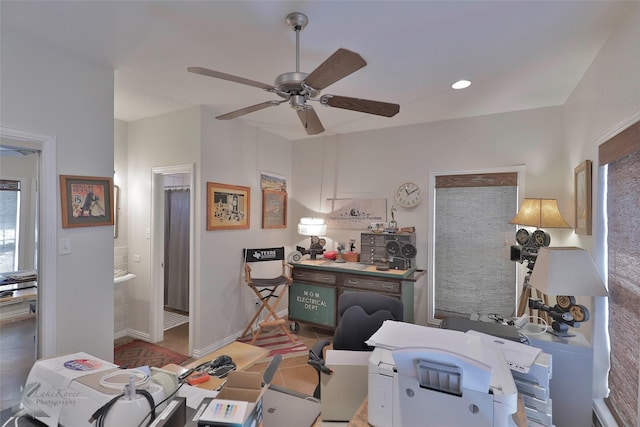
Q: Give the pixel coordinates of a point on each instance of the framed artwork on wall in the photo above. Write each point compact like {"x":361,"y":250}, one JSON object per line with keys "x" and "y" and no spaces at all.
{"x":582,"y":188}
{"x":355,"y":213}
{"x":86,"y":201}
{"x":228,"y":206}
{"x":274,"y":209}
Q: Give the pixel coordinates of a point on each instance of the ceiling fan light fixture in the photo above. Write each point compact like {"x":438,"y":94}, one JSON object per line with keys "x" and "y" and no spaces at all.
{"x":461,"y":84}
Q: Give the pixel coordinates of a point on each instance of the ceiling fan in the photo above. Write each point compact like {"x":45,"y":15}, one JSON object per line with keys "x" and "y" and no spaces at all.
{"x":297,"y":87}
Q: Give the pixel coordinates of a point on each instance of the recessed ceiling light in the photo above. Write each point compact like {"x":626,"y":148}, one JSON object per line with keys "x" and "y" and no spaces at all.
{"x":461,"y":84}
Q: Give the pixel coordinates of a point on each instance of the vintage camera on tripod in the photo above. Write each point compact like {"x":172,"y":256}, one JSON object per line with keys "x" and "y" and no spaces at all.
{"x":524,"y":253}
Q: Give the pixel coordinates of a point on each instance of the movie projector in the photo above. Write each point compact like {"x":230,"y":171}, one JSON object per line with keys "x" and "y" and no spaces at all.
{"x":528,"y":245}
{"x":397,"y":250}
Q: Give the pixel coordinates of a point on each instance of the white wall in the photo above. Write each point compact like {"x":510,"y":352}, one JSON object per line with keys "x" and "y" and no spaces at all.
{"x":46,"y":90}
{"x":373,"y":164}
{"x":234,"y":154}
{"x":606,"y":101}
{"x":165,"y":140}
{"x":121,"y":179}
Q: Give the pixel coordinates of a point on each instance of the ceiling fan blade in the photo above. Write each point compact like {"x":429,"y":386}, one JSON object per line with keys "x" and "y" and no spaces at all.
{"x":310,"y":120}
{"x":247,"y":110}
{"x":339,"y":65}
{"x":230,"y":77}
{"x":363,"y":105}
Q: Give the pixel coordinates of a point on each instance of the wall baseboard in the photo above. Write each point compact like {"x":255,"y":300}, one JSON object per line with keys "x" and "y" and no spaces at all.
{"x":120,"y":334}
{"x":139,"y":335}
{"x":198,"y":353}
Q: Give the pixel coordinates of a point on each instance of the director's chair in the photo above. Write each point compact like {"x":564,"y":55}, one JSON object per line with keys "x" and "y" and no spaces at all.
{"x":268,"y":290}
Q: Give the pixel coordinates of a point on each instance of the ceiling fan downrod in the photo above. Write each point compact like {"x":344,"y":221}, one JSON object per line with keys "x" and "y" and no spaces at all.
{"x":297,"y":21}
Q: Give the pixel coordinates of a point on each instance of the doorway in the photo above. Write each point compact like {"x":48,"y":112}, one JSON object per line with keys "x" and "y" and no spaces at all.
{"x":46,"y":248}
{"x":172,"y":226}
{"x":28,"y":245}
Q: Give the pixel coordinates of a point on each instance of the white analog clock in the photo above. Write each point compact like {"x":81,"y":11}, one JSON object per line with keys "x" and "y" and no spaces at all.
{"x":408,"y":195}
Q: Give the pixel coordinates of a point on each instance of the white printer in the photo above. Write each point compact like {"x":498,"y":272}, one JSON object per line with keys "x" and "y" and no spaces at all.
{"x":435,"y":377}
{"x":67,"y":390}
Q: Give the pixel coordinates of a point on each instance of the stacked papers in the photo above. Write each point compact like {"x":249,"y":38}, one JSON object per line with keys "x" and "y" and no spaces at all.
{"x":20,"y":275}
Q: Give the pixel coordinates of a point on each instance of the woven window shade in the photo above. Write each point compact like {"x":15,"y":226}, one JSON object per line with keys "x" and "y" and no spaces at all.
{"x":472,"y":269}
{"x":622,"y":154}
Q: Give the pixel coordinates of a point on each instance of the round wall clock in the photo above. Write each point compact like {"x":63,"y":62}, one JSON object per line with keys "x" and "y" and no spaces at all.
{"x":408,"y":195}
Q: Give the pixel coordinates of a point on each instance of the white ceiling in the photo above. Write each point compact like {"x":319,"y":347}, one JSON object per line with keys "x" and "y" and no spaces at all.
{"x":518,"y":54}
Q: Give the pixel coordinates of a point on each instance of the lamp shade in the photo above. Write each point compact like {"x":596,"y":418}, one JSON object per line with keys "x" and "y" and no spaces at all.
{"x":541,"y":213}
{"x":312,"y":227}
{"x":566,"y":271}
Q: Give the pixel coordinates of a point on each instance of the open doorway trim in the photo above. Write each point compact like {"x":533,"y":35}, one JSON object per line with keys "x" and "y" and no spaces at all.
{"x":157,"y":249}
{"x":47,"y":225}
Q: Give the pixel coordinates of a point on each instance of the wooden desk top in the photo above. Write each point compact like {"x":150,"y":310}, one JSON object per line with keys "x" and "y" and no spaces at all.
{"x":354,"y":267}
{"x":243,"y":355}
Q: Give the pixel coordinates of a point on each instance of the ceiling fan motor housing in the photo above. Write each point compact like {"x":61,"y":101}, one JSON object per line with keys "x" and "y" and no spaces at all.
{"x":289,"y":84}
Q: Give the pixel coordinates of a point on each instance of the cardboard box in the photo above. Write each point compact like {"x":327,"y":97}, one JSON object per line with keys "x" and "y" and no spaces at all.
{"x":239,"y":403}
{"x":351,"y":256}
{"x":342,"y":392}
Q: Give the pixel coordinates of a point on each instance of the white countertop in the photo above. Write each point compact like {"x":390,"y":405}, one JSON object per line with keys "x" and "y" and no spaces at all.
{"x":124,"y":278}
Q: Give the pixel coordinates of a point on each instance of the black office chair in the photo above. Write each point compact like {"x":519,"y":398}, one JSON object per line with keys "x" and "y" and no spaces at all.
{"x":360,"y":315}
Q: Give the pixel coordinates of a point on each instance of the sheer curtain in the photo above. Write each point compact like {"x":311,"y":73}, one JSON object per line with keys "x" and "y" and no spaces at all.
{"x":176,"y":249}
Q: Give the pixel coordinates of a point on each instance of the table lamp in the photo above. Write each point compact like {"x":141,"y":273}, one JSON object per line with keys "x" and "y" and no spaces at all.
{"x":313,"y":227}
{"x":565,"y":272}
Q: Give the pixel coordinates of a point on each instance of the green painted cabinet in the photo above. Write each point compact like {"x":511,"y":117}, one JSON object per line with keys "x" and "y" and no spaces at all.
{"x":313,"y":304}
{"x":317,"y":285}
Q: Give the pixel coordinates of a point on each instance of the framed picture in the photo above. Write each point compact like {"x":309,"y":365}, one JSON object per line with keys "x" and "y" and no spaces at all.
{"x":582,"y":183}
{"x":228,"y":206}
{"x":86,"y":201}
{"x":274,"y":209}
{"x":272,"y":181}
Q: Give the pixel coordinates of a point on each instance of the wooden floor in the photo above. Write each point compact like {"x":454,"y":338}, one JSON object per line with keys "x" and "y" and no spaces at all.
{"x":294,"y":373}
{"x":17,"y":356}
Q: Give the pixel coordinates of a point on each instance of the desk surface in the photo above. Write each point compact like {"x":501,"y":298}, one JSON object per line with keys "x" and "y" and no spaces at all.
{"x":243,"y":355}
{"x":354,"y":267}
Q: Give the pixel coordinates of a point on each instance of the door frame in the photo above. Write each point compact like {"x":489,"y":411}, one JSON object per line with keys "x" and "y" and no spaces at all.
{"x":47,"y":234}
{"x":157,"y":248}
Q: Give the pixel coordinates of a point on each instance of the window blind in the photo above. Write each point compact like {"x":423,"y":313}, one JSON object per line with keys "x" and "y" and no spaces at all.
{"x":472,"y":270}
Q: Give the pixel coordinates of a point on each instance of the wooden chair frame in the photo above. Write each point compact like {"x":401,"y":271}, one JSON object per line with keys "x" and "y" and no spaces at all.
{"x":265,"y":290}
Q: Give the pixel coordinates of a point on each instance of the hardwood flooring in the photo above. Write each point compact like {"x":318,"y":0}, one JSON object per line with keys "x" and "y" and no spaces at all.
{"x":18,"y":354}
{"x":294,"y":372}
